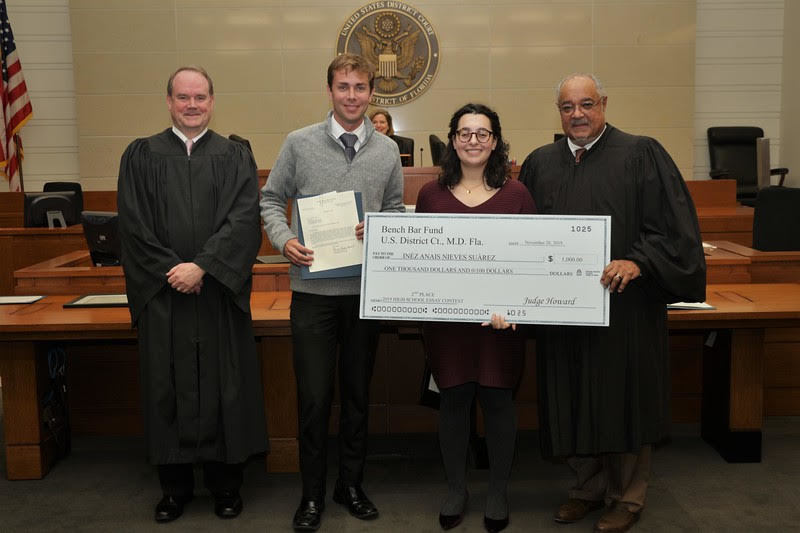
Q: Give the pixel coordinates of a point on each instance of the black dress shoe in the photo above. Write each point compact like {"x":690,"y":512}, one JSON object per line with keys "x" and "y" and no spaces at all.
{"x":493,"y":525}
{"x":449,"y":521}
{"x":170,"y":508}
{"x":356,"y":501}
{"x":228,"y":504}
{"x":308,"y":516}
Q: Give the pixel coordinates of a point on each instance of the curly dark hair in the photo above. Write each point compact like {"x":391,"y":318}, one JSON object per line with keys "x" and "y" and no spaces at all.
{"x":497,"y":167}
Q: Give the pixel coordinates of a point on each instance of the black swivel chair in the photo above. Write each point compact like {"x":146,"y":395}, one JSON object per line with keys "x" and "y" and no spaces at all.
{"x":732,"y":153}
{"x":776,"y":219}
{"x":52,"y":186}
{"x":406,"y":147}
{"x":438,"y":148}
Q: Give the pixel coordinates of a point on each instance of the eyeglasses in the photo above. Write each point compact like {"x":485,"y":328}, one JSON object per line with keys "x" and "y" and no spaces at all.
{"x":567,"y":108}
{"x":482,"y":135}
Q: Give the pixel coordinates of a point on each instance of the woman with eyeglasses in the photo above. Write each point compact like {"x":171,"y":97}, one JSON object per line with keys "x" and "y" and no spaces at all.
{"x":470,"y":360}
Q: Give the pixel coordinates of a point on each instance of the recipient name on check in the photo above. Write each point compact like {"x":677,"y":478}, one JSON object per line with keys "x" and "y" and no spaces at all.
{"x":533,"y":269}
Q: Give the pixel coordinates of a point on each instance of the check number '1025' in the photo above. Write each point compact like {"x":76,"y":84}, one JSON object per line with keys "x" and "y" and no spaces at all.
{"x":580,"y":229}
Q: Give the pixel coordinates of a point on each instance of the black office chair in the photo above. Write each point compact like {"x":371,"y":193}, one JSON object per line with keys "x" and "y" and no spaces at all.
{"x":776,"y":219}
{"x":438,"y":148}
{"x":732,"y":153}
{"x":52,"y":186}
{"x":406,"y":147}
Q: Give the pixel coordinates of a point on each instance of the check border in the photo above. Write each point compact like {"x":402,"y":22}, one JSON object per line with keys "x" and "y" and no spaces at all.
{"x":603,"y":309}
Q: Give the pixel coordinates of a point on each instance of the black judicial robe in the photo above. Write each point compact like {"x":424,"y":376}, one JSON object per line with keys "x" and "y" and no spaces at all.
{"x":608,"y":389}
{"x":200,"y":374}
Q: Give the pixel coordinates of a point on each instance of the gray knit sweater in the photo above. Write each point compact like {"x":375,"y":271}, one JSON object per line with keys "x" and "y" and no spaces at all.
{"x":312,"y":162}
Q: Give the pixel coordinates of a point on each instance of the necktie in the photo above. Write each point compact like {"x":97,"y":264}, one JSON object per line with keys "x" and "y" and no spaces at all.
{"x":579,"y":154}
{"x":189,"y":144}
{"x":349,"y":141}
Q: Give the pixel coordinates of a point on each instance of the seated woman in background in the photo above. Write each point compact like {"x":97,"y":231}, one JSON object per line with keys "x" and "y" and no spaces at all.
{"x":471,"y":359}
{"x":382,"y":121}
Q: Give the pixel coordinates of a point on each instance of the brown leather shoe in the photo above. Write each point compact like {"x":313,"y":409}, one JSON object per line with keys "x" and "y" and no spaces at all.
{"x":616,"y":519}
{"x":575,"y":509}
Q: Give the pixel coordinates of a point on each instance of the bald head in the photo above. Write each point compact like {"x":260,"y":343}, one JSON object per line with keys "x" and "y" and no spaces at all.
{"x":581,"y":103}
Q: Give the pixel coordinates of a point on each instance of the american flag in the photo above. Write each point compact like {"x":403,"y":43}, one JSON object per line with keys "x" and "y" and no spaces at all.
{"x":16,"y":109}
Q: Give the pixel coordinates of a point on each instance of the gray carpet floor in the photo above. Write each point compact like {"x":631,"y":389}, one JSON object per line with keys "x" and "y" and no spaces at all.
{"x":105,"y":485}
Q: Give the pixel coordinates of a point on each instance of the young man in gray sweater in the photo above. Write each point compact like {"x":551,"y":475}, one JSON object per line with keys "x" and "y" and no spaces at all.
{"x":341,"y":153}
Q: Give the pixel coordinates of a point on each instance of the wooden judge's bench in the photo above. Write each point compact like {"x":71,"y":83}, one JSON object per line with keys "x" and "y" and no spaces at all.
{"x":102,"y":363}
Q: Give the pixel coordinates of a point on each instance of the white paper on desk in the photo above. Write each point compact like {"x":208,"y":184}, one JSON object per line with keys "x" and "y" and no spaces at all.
{"x":329,"y":222}
{"x":19,"y":299}
{"x":690,"y":305}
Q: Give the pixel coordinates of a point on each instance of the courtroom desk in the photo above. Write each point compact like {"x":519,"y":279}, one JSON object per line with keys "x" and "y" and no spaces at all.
{"x":726,"y":224}
{"x":765,"y":267}
{"x":781,"y":346}
{"x":12,"y":205}
{"x":723,"y":266}
{"x":27,"y":331}
{"x":713,"y":193}
{"x":734,"y":359}
{"x":73,"y":273}
{"x":732,"y":404}
{"x":20,"y":247}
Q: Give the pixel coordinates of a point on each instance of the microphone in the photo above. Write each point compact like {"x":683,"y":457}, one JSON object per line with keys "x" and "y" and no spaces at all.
{"x":421,"y":149}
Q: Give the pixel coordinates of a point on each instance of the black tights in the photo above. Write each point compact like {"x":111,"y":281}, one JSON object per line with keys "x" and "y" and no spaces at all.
{"x":497,"y":405}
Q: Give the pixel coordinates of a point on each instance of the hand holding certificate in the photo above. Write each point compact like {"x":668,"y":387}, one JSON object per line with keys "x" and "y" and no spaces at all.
{"x":327,"y":226}
{"x":536,"y":269}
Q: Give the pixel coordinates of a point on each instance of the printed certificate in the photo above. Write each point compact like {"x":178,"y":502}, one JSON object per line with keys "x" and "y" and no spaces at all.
{"x":534,"y":269}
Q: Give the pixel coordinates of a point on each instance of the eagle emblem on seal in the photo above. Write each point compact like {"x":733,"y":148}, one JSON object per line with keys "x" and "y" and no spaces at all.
{"x":402,"y":44}
{"x":391,"y":47}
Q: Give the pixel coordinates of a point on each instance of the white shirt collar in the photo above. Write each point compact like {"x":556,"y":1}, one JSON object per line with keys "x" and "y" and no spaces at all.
{"x":360,"y":132}
{"x":574,"y":147}
{"x":184,"y":138}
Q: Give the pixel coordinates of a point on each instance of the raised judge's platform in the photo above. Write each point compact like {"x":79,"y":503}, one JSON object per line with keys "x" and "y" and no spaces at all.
{"x":720,"y":217}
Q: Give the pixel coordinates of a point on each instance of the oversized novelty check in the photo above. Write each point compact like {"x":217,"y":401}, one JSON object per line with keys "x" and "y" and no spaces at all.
{"x":535,"y":269}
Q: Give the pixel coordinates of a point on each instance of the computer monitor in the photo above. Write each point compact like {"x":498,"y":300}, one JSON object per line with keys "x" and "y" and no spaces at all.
{"x":51,"y":209}
{"x":101,"y":229}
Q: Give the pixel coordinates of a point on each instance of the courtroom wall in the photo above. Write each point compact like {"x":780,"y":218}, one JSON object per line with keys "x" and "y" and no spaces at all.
{"x":268,"y":60}
{"x":44,"y":44}
{"x":790,"y":123}
{"x":740,"y":46}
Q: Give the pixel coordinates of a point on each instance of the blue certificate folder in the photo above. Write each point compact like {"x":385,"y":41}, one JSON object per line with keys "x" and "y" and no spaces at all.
{"x":342,"y":272}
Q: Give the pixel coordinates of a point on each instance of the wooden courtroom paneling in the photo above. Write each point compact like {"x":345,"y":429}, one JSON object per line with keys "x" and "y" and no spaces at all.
{"x":31,"y":447}
{"x":713,"y":193}
{"x":782,"y":372}
{"x":11,"y":210}
{"x":20,"y":247}
{"x":73,"y":273}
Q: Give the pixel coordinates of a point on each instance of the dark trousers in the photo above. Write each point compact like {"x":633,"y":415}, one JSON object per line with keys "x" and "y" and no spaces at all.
{"x":178,"y":479}
{"x":320,"y":324}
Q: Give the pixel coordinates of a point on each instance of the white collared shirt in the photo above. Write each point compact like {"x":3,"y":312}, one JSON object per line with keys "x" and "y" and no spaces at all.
{"x":360,"y":132}
{"x":184,"y":138}
{"x":574,"y":147}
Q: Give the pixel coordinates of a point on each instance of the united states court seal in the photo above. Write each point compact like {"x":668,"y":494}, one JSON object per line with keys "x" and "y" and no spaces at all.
{"x":401,"y":43}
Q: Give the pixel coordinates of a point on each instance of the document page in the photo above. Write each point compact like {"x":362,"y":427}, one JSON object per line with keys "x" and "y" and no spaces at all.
{"x":328,"y":222}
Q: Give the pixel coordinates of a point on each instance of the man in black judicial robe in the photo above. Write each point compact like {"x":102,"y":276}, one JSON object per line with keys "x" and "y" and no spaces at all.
{"x":189,"y":223}
{"x":604,"y":393}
